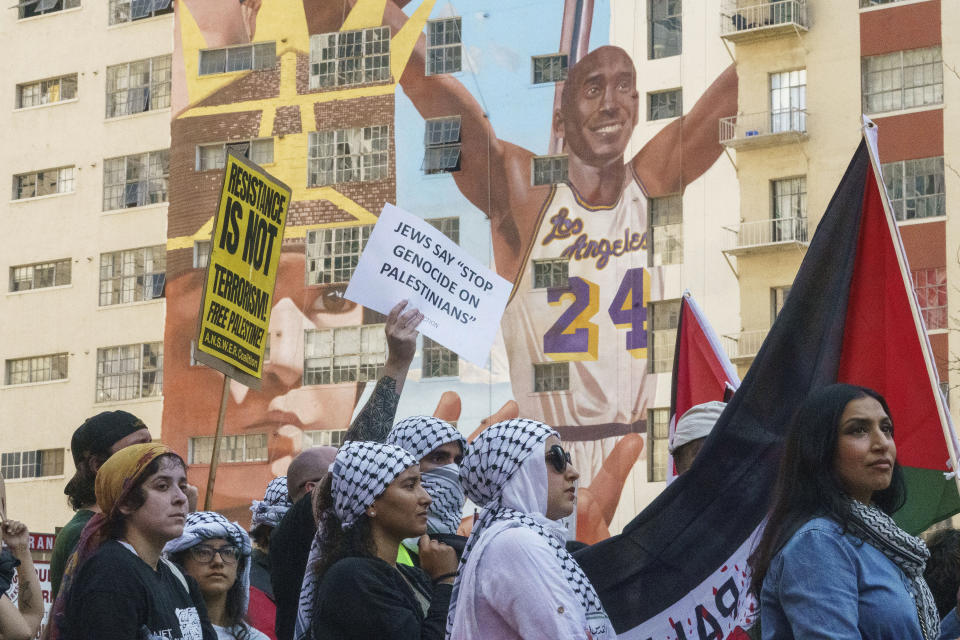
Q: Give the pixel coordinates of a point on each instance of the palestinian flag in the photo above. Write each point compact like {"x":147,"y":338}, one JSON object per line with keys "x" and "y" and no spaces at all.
{"x":679,"y":570}
{"x":701,"y":369}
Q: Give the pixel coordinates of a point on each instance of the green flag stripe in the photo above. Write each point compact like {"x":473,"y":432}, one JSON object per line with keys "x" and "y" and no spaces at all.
{"x":930,"y":499}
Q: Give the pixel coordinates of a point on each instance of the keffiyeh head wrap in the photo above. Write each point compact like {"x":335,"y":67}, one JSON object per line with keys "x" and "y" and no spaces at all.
{"x":360,"y":473}
{"x":504,"y":471}
{"x":207,"y":525}
{"x":420,"y":435}
{"x":275,"y":504}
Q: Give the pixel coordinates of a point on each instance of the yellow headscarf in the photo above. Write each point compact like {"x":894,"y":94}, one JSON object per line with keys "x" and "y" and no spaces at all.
{"x":121,"y":471}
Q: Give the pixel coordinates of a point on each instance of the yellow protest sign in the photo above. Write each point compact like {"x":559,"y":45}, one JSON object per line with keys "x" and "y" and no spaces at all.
{"x":244,"y":257}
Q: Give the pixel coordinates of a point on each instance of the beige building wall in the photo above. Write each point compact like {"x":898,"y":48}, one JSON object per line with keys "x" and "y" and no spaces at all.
{"x":950,"y":15}
{"x":68,"y":319}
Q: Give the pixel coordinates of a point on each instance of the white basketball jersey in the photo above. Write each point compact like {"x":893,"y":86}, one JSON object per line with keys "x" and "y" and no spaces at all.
{"x":595,"y":320}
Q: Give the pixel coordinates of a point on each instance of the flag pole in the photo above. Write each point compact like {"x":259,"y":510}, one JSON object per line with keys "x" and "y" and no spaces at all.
{"x":946,"y":422}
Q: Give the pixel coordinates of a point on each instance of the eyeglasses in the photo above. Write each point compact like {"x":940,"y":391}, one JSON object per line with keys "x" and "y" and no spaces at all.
{"x":559,"y":458}
{"x":204,"y":554}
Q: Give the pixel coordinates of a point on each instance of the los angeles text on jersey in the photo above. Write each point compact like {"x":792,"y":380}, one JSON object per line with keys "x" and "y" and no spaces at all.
{"x":583,"y":248}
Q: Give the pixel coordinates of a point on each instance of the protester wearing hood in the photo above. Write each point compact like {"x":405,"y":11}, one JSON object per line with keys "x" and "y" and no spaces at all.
{"x":692,"y":430}
{"x":216,"y":553}
{"x":516,"y":579}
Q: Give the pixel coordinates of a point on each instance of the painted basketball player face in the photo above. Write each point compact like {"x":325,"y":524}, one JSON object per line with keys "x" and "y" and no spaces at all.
{"x":600,"y":107}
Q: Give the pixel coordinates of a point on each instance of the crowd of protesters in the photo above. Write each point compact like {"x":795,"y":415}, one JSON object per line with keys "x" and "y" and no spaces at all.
{"x":367,"y":541}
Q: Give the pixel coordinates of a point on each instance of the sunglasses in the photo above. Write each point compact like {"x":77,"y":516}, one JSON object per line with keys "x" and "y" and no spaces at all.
{"x":559,"y":458}
{"x":204,"y":554}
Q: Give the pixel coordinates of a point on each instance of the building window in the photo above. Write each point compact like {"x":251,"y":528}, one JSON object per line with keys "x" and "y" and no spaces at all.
{"x":552,"y":68}
{"x":201,"y":254}
{"x":788,"y":101}
{"x":41,"y":275}
{"x":665,"y":316}
{"x":132,"y":275}
{"x":214,"y":156}
{"x":49,"y":91}
{"x":349,"y":57}
{"x":665,"y":34}
{"x":130,"y":371}
{"x":916,"y":188}
{"x":135,"y":87}
{"x":244,"y":57}
{"x":551,"y":273}
{"x":135,"y":181}
{"x":347,"y":354}
{"x":251,"y":447}
{"x":37,"y":369}
{"x":444,"y":48}
{"x":873,"y":3}
{"x":931,"y":288}
{"x":549,"y":169}
{"x":665,"y":104}
{"x":332,"y":254}
{"x":31,"y":8}
{"x":347,"y":155}
{"x":666,"y":226}
{"x":902,"y":80}
{"x":323,"y":438}
{"x":449,"y":227}
{"x":43,"y":183}
{"x":131,"y":10}
{"x":438,"y":361}
{"x":789,"y":209}
{"x":778,"y":298}
{"x":441,"y":143}
{"x":551,"y":376}
{"x":658,"y":443}
{"x":32,"y":464}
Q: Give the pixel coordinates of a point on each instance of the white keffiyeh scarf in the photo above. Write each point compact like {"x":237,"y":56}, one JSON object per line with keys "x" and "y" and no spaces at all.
{"x":275,"y":504}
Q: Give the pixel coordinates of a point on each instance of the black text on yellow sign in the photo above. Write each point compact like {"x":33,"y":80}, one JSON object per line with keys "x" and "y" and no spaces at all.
{"x":244,"y":256}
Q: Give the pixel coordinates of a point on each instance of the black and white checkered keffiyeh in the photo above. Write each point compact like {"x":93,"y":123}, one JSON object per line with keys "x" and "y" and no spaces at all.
{"x":361,"y":472}
{"x":275,"y":504}
{"x":421,"y":435}
{"x":488,"y":464}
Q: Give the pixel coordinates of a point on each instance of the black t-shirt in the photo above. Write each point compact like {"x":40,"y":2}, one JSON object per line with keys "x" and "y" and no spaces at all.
{"x":119,"y":596}
{"x":289,"y":550}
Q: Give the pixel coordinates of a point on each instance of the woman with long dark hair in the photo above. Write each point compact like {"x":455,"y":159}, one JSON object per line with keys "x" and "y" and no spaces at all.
{"x":831,"y":562}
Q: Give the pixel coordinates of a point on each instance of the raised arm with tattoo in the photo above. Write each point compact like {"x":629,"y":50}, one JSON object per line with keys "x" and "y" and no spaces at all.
{"x":20,"y":621}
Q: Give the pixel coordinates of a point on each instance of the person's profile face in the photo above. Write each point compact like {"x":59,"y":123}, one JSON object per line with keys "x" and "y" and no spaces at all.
{"x":865,"y":452}
{"x":401,"y":510}
{"x":561,"y":485}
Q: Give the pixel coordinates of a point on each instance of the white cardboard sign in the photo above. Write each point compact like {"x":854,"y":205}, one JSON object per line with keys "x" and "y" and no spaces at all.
{"x":406,"y":258}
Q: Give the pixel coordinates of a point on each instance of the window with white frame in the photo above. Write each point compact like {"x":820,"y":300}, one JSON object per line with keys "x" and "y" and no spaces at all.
{"x":788,"y":101}
{"x":31,"y":464}
{"x":916,"y":188}
{"x":31,"y":8}
{"x":551,"y":376}
{"x":45,"y":182}
{"x":551,"y":68}
{"x":931,"y":288}
{"x":658,"y":444}
{"x":332,"y":254}
{"x":131,"y":10}
{"x":244,"y":57}
{"x":201,"y":254}
{"x":553,"y":272}
{"x":549,"y":169}
{"x":664,"y":104}
{"x":135,"y":181}
{"x":441,"y":142}
{"x":214,"y":156}
{"x":40,"y":275}
{"x":449,"y":227}
{"x":665,"y":33}
{"x":663,"y":318}
{"x":347,"y":155}
{"x":138,"y":86}
{"x":666,"y":227}
{"x":323,"y":438}
{"x":778,"y":298}
{"x":130,"y":371}
{"x":789,"y":209}
{"x":438,"y":361}
{"x":251,"y":447}
{"x":132,"y":275}
{"x":349,"y":58}
{"x":873,"y":3}
{"x":50,"y":91}
{"x":37,"y":369}
{"x":346,"y":354}
{"x":902,"y":80}
{"x":444,"y":46}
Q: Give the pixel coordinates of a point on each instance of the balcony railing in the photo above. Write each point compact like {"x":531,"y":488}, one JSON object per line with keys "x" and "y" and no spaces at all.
{"x":742,"y":20}
{"x":764,"y":129}
{"x":744,"y":345}
{"x":776,"y":233}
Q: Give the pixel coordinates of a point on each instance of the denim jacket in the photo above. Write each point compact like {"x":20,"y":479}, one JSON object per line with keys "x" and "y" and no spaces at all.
{"x":827,"y":585}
